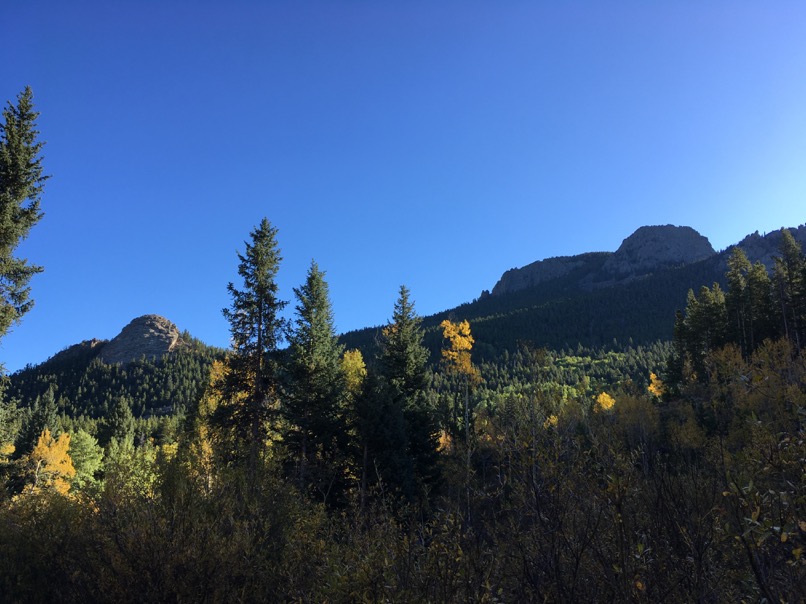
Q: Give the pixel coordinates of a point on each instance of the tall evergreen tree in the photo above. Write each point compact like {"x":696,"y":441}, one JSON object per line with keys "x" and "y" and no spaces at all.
{"x":120,"y":423}
{"x":737,"y":301}
{"x":759,"y":293}
{"x":21,"y":184}
{"x":404,"y":369}
{"x":315,"y":428}
{"x":43,"y":415}
{"x":9,"y":423}
{"x":250,"y":385}
{"x":789,"y":288}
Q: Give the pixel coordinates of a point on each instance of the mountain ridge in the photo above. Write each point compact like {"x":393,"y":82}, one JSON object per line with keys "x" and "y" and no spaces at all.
{"x":647,"y":250}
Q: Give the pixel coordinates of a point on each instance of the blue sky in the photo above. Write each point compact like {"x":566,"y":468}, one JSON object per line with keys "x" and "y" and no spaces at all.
{"x":433,"y":144}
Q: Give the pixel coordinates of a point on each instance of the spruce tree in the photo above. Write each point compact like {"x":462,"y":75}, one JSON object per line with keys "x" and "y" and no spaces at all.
{"x":315,"y":431}
{"x":760,"y":300}
{"x":789,"y":287}
{"x":737,"y":301}
{"x":44,"y":414}
{"x":250,"y":386}
{"x":404,"y":369}
{"x":21,"y":184}
{"x":120,"y":423}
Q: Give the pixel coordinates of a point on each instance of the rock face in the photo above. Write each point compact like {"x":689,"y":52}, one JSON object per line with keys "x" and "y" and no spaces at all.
{"x":85,"y":349}
{"x":648,"y":249}
{"x":539,"y":272}
{"x":765,"y":247}
{"x":149,"y":336}
{"x":653,"y":247}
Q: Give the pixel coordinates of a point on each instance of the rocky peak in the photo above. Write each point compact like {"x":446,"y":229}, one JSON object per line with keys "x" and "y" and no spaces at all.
{"x":765,"y":248}
{"x":538,"y":272}
{"x":653,"y":247}
{"x":150,"y":336}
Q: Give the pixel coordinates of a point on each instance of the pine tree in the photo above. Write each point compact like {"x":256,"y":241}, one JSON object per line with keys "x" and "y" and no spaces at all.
{"x":43,"y":415}
{"x":9,"y":423}
{"x":21,"y":184}
{"x":250,"y":386}
{"x":404,"y":370}
{"x":120,"y":424}
{"x":737,"y":301}
{"x":789,"y":287}
{"x":316,"y":432}
{"x":759,"y":291}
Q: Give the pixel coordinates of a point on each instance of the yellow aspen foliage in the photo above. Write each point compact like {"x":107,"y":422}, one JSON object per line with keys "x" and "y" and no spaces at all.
{"x":445,"y":442}
{"x":460,"y":343}
{"x":355,"y":371}
{"x":604,"y":402}
{"x":199,"y":459}
{"x":656,"y":386}
{"x":6,"y":450}
{"x":551,"y":422}
{"x":50,"y":463}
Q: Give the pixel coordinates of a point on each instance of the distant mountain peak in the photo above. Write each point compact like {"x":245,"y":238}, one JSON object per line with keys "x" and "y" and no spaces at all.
{"x":652,"y":247}
{"x":648,"y":249}
{"x":149,"y":336}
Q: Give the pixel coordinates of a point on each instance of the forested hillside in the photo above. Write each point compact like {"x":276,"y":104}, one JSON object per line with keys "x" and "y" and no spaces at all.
{"x":585,"y":306}
{"x":307,"y":471}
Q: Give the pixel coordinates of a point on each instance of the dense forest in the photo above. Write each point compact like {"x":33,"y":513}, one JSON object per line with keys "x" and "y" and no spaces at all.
{"x":294,"y":468}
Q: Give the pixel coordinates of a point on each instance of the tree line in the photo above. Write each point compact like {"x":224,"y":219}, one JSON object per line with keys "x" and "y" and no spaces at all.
{"x":309,"y":472}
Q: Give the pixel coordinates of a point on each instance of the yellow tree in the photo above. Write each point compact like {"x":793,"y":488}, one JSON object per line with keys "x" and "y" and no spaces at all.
{"x":604,"y":402}
{"x":50,"y":463}
{"x":656,"y":386}
{"x":457,"y":361}
{"x":456,"y":358}
{"x":355,"y":371}
{"x":197,"y":452}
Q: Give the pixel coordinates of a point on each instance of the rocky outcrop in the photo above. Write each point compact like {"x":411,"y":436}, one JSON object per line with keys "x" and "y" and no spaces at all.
{"x":647,"y":250}
{"x":539,"y":272}
{"x":654,"y":247}
{"x":764,"y":248}
{"x":149,"y":336}
{"x":87,"y":349}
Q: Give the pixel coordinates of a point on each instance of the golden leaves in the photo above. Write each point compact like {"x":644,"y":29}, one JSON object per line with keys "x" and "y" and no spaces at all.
{"x":51,"y":463}
{"x":460,"y":343}
{"x":656,"y":386}
{"x":604,"y":402}
{"x":355,"y":370}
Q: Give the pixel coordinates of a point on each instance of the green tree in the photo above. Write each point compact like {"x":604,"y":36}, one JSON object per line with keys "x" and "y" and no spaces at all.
{"x":21,"y":184}
{"x":404,"y":369}
{"x":87,"y":458}
{"x":120,"y":424}
{"x":759,"y":291}
{"x":789,"y":288}
{"x":315,"y":424}
{"x":250,"y":385}
{"x":9,"y":423}
{"x":42,"y":415}
{"x":737,"y":300}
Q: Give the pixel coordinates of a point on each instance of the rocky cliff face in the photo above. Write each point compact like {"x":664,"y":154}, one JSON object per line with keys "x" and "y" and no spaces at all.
{"x":150,"y":336}
{"x":648,"y":249}
{"x":541,"y":271}
{"x":653,"y":247}
{"x":765,"y":247}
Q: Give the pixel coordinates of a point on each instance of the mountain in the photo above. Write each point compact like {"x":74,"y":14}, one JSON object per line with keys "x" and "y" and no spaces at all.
{"x":149,"y":336}
{"x":150,"y":363}
{"x":647,"y":250}
{"x":596,"y":298}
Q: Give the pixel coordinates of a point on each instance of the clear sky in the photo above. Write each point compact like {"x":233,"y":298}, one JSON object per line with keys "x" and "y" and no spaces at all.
{"x":427,"y":143}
